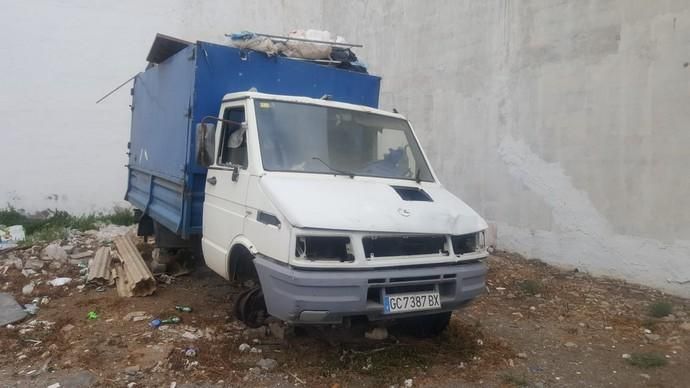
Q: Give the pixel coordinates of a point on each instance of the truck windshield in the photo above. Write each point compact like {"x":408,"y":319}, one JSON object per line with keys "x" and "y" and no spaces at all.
{"x":308,"y":138}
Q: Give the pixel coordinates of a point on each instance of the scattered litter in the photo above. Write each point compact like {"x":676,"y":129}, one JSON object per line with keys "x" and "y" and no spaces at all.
{"x":92,"y":315}
{"x":185,"y":309}
{"x":160,"y":322}
{"x":408,"y":383}
{"x":11,"y":236}
{"x":56,"y":385}
{"x":191,"y":351}
{"x":57,"y":282}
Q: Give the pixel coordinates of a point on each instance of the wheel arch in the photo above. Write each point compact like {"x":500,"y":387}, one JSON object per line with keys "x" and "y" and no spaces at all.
{"x":240,"y":258}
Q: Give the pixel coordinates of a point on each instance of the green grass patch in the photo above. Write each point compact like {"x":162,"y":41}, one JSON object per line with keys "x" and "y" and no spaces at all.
{"x":518,"y":381}
{"x":53,"y":225}
{"x":531,"y":287}
{"x":660,"y":309}
{"x":647,"y":360}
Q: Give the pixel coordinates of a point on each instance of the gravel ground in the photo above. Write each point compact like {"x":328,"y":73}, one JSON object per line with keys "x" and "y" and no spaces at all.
{"x":536,"y":326}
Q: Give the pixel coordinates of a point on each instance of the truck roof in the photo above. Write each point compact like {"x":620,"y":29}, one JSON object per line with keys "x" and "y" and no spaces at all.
{"x":309,"y":100}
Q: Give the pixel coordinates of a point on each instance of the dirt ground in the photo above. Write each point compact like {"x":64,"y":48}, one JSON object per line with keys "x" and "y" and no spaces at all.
{"x":536,"y":326}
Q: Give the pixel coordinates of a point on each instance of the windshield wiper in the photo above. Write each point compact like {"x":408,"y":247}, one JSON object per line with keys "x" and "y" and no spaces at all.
{"x":350,"y":174}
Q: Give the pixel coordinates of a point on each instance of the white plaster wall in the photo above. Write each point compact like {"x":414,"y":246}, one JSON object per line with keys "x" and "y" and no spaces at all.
{"x":58,"y":149}
{"x":563,"y":122}
{"x":566,"y":123}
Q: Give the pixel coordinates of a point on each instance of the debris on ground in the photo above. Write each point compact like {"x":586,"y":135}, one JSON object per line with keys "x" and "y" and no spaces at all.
{"x":267,"y":363}
{"x":134,"y":278}
{"x":10,"y":310}
{"x":59,"y":282}
{"x":99,"y":268}
{"x":11,"y":236}
{"x":377,"y":334}
{"x":499,"y":334}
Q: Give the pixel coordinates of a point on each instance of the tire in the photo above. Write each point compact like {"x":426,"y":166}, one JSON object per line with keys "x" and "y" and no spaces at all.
{"x":426,"y":326}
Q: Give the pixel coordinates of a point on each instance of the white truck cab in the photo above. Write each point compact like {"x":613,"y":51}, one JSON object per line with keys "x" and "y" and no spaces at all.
{"x":334,"y":212}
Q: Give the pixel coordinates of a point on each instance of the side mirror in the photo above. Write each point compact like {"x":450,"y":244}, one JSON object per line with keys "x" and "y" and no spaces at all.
{"x":205,"y":143}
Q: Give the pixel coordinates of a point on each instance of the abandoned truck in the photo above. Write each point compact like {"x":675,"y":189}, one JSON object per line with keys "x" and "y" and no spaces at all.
{"x":289,"y":178}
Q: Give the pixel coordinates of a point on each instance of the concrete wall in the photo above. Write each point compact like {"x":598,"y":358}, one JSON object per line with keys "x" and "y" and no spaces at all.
{"x":58,"y":149}
{"x":566,"y":123}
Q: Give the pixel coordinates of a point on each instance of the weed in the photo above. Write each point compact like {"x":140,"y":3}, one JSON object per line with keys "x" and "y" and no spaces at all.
{"x":518,"y":381}
{"x":647,"y":360}
{"x":531,"y":287}
{"x":53,"y":225}
{"x":660,"y":309}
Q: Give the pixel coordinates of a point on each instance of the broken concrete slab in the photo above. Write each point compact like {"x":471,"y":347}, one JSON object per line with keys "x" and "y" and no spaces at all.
{"x":53,"y":252}
{"x":10,"y":310}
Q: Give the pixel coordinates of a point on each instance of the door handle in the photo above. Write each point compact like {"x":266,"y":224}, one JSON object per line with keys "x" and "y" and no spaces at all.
{"x":212,"y":180}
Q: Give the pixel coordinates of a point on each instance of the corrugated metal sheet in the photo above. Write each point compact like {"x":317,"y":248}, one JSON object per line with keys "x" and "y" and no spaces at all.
{"x":134,"y":278}
{"x":99,"y":267}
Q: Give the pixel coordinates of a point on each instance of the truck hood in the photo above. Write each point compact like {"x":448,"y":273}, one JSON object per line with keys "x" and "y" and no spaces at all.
{"x":341,"y":203}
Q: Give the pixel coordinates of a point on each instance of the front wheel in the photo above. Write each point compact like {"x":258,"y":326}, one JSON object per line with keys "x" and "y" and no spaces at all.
{"x":426,"y":326}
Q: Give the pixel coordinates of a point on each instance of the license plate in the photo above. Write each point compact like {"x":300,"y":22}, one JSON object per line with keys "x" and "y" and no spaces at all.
{"x":414,"y":301}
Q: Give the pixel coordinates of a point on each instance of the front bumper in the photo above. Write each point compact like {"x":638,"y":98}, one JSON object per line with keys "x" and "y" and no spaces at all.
{"x":328,"y":296}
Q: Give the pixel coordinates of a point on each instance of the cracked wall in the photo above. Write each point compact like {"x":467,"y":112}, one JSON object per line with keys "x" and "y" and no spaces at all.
{"x":563,"y":122}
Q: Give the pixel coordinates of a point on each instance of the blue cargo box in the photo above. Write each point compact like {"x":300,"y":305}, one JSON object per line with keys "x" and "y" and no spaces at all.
{"x":170,"y":98}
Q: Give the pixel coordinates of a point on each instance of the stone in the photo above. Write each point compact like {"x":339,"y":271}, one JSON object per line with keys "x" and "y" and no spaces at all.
{"x":244,"y":348}
{"x":190,"y":336}
{"x":653,"y":337}
{"x":277,"y":330}
{"x":522,"y":355}
{"x":135,"y":314}
{"x":55,"y":265}
{"x":68,"y":248}
{"x":267,"y":363}
{"x":67,"y":328}
{"x":570,"y":345}
{"x":408,"y":383}
{"x":626,"y":356}
{"x":28,"y":289}
{"x":33,"y":264}
{"x":377,"y":334}
{"x":685,"y":326}
{"x":132,"y":369}
{"x":28,"y":272}
{"x":258,"y":332}
{"x":53,"y":252}
{"x":14,"y":261}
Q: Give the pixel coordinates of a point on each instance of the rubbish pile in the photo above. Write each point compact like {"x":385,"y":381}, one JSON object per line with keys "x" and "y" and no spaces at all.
{"x":11,"y":236}
{"x":314,"y":45}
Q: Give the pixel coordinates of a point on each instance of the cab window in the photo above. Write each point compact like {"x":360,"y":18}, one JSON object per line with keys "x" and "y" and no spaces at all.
{"x":233,"y":140}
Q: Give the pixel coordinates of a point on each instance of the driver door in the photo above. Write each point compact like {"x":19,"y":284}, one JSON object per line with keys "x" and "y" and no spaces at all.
{"x":226,"y":188}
